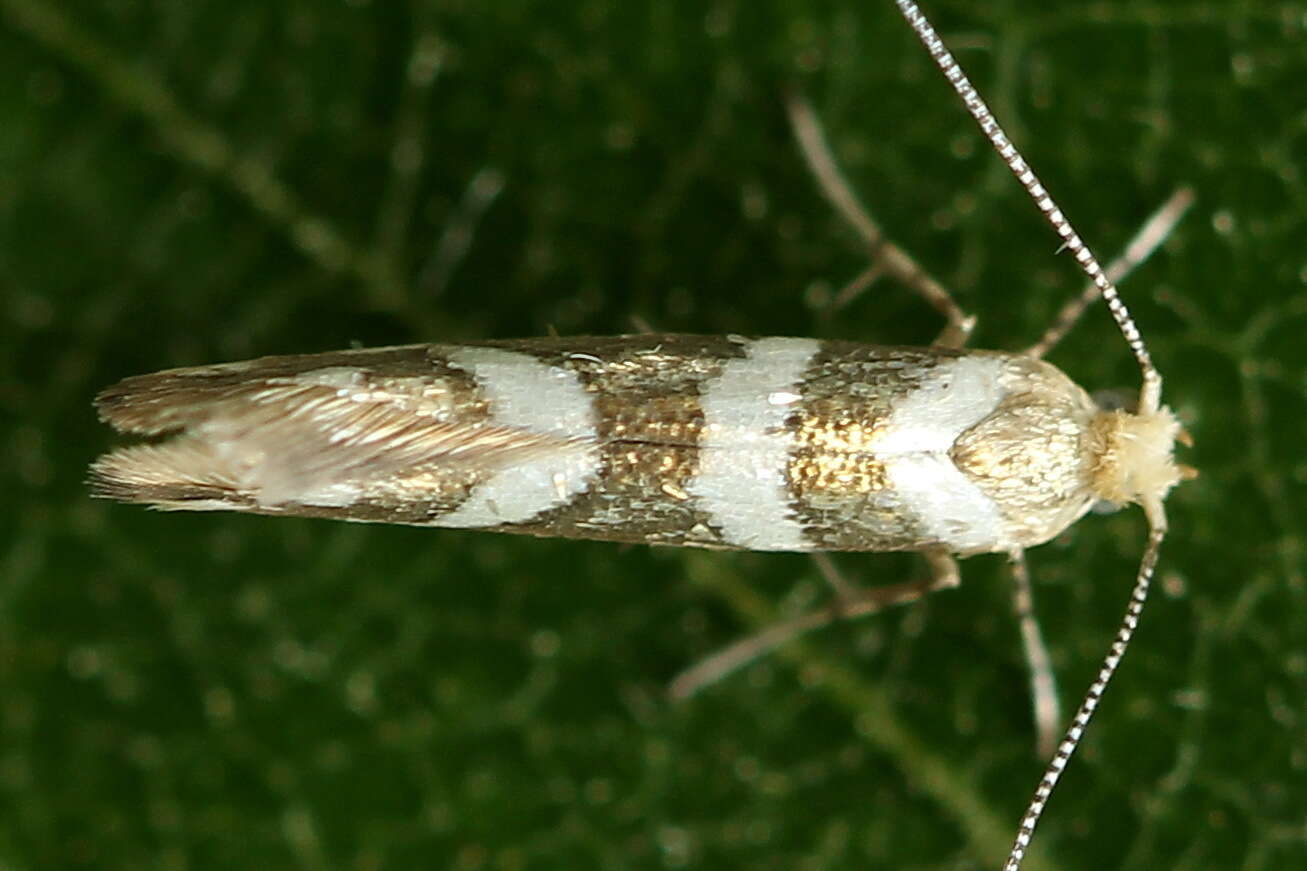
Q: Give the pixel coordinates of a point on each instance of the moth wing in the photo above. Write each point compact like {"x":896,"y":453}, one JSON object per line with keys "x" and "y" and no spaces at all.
{"x":304,"y":438}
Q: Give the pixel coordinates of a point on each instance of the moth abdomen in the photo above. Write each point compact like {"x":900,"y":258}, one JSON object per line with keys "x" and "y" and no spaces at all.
{"x":726,"y":442}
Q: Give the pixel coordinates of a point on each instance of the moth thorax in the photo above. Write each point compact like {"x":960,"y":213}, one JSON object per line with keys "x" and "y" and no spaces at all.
{"x":1133,"y":458}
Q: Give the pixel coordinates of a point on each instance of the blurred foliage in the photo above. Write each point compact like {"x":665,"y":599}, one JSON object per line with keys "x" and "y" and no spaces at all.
{"x":189,"y":182}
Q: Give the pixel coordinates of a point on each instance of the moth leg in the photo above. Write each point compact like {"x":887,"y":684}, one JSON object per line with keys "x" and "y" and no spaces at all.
{"x":849,"y":602}
{"x":1149,"y":238}
{"x":887,"y":257}
{"x":1043,"y":685}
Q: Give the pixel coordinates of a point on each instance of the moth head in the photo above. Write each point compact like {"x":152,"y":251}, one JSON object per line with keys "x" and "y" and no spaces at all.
{"x":1134,"y":459}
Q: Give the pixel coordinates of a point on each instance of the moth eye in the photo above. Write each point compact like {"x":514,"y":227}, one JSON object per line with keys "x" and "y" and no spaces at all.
{"x":1116,"y":399}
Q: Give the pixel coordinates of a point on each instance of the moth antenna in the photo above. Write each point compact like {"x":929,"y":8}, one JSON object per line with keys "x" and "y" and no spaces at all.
{"x":1071,"y":740}
{"x":1150,"y":394}
{"x":1155,"y":447}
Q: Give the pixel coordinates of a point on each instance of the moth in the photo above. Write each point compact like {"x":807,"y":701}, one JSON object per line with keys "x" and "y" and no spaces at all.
{"x":769,"y":444}
{"x":772,"y":444}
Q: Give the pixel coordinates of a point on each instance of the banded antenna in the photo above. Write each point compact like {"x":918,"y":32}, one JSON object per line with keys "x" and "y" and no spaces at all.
{"x":1150,"y":397}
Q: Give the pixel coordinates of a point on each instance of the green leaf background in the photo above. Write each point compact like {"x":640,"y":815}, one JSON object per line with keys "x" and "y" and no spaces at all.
{"x":184,"y":183}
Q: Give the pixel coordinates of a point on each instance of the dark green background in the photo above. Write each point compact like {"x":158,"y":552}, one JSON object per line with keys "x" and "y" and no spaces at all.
{"x":184,"y":183}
